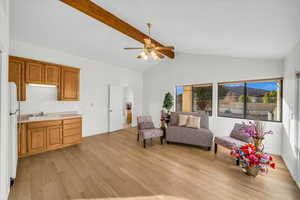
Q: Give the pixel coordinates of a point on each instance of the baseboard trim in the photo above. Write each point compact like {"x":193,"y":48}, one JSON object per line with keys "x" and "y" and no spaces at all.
{"x":298,"y":184}
{"x":6,"y":195}
{"x":294,"y":177}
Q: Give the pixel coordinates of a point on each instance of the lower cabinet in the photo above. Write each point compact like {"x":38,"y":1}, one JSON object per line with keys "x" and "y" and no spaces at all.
{"x":54,"y":137}
{"x":38,"y":137}
{"x":36,"y":140}
{"x":22,"y":140}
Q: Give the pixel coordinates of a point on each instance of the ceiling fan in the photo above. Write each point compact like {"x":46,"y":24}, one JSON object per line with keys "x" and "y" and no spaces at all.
{"x":150,"y":49}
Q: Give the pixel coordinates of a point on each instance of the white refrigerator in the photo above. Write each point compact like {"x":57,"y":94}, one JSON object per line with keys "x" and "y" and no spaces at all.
{"x":13,"y":131}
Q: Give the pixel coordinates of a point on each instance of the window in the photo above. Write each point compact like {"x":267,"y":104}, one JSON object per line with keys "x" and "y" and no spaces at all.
{"x":231,"y":102}
{"x":254,"y":100}
{"x":194,"y":98}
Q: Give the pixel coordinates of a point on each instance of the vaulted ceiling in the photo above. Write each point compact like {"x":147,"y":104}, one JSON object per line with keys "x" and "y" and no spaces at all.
{"x":248,"y":28}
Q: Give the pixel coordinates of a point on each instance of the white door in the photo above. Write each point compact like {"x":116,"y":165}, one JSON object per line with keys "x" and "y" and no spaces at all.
{"x":115,"y":108}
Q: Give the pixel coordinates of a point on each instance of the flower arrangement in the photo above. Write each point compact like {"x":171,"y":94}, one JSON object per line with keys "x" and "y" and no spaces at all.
{"x":256,"y":130}
{"x":253,"y":161}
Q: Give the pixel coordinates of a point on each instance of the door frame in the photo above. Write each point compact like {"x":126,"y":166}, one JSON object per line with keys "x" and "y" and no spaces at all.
{"x":4,"y":117}
{"x":297,"y":132}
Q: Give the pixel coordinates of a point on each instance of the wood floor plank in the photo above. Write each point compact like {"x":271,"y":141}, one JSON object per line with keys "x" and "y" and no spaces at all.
{"x":108,"y":166}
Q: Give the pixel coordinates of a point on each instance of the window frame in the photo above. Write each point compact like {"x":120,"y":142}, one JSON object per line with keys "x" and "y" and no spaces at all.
{"x":245,"y":94}
{"x":192,"y":104}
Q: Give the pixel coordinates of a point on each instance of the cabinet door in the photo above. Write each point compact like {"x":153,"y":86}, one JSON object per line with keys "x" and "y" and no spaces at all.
{"x":54,"y":137}
{"x":36,"y":140}
{"x":52,"y":74}
{"x":69,"y":87}
{"x":17,"y":75}
{"x":22,"y":142}
{"x":34,"y":72}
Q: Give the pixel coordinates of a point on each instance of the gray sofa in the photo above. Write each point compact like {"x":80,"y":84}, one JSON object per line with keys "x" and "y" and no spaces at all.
{"x":201,"y":137}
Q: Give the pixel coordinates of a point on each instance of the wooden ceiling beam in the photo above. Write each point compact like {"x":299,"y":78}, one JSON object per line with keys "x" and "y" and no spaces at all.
{"x":95,"y":11}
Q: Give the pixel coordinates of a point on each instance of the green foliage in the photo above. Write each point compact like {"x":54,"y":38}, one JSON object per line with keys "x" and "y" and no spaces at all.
{"x":270,"y":97}
{"x":168,"y":101}
{"x":242,"y":99}
{"x":204,"y":96}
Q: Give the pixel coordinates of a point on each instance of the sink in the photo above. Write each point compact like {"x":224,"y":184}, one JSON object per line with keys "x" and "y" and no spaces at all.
{"x":43,"y":117}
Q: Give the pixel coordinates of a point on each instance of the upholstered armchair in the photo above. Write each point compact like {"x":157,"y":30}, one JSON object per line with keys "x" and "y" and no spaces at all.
{"x":236,"y":138}
{"x":146,"y":129}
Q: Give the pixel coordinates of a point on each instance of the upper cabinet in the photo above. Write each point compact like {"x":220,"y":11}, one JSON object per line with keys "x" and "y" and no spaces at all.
{"x":17,"y":75}
{"x":34,"y":72}
{"x":70,"y":85}
{"x":23,"y":70}
{"x":52,"y":74}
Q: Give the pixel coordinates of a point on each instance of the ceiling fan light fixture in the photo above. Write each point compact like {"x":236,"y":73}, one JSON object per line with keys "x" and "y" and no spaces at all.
{"x":151,"y":49}
{"x":143,"y":53}
{"x":154,"y":55}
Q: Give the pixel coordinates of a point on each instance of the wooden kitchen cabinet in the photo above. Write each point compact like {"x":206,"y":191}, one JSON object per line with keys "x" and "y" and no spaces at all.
{"x":39,"y":137}
{"x":36,"y":140}
{"x":24,"y":70}
{"x":52,"y":74}
{"x":72,"y":131}
{"x":70,"y":84}
{"x":54,"y":137}
{"x":35,"y":72}
{"x":22,"y":140}
{"x":17,"y":75}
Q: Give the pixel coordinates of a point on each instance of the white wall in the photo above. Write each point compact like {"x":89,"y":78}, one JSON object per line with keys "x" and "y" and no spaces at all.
{"x":192,"y":69}
{"x":4,"y":48}
{"x":291,"y":139}
{"x":94,"y":80}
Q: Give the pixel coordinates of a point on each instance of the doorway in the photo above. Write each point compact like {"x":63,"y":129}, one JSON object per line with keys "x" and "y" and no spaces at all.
{"x":115,"y":108}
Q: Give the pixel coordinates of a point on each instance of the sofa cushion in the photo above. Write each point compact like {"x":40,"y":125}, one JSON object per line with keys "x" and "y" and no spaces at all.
{"x":193,"y":122}
{"x":151,"y":133}
{"x":185,"y":135}
{"x":204,"y":123}
{"x":237,"y":133}
{"x":182,"y":120}
{"x":228,"y":142}
{"x":146,"y":125}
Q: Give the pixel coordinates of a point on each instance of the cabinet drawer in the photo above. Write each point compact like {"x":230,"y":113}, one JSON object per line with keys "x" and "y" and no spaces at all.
{"x":73,"y":139}
{"x":73,"y":131}
{"x":44,"y":124}
{"x":72,"y":121}
{"x":72,"y":126}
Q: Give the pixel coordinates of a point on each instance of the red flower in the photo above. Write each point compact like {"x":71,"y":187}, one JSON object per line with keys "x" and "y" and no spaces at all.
{"x":273,"y":165}
{"x":271,"y":158}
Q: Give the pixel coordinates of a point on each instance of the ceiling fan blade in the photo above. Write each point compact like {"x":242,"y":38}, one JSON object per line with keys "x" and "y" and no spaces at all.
{"x":139,"y":56}
{"x":164,"y":48}
{"x":133,"y":48}
{"x":160,"y":55}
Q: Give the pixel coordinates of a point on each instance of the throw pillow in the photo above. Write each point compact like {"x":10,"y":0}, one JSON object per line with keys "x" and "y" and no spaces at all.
{"x":237,"y":133}
{"x":193,"y":122}
{"x":146,"y":125}
{"x":183,"y":120}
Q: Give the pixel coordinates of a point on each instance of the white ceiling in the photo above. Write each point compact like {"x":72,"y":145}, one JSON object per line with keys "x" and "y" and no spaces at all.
{"x":244,"y":28}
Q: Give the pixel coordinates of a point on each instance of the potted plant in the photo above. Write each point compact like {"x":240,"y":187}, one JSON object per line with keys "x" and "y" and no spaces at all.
{"x":252,"y":161}
{"x":168,"y":102}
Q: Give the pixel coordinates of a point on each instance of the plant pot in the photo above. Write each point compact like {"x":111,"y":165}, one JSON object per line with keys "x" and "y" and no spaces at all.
{"x":251,"y":171}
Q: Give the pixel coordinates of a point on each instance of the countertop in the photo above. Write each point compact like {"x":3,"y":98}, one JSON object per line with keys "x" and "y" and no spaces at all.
{"x":47,"y":117}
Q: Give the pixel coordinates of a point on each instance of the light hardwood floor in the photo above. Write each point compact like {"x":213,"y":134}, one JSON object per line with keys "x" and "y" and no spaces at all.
{"x":117,"y":166}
